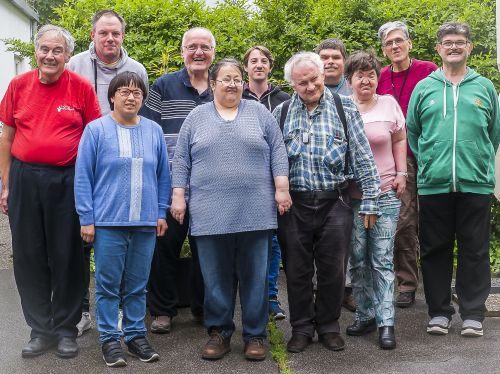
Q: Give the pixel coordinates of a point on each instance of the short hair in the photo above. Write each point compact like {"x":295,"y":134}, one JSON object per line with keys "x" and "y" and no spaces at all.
{"x":364,"y":61}
{"x":453,"y":28}
{"x":388,"y":27}
{"x":59,"y":31}
{"x":301,"y":58}
{"x":332,"y":43}
{"x":199,"y":29}
{"x":266,"y":52}
{"x":228,"y":61}
{"x":107,"y":12}
{"x":125,"y":79}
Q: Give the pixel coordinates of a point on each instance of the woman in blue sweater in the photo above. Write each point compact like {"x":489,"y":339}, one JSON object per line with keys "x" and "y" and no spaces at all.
{"x":122,"y":191}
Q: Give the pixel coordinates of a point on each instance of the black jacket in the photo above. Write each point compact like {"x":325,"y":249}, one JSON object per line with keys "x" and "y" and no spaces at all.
{"x":273,"y":97}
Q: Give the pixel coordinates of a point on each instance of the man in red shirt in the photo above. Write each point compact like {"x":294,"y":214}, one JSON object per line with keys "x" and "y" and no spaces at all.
{"x":399,"y":79}
{"x":44,"y":112}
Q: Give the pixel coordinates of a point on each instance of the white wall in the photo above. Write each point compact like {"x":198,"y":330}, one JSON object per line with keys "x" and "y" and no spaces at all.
{"x":13,"y":24}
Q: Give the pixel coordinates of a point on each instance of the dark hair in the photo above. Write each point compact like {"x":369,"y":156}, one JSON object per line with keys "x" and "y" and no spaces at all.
{"x":332,"y":43}
{"x":107,"y":12}
{"x":263,"y":50}
{"x":125,"y":79}
{"x":214,"y":71}
{"x":363,"y":61}
{"x":453,"y":28}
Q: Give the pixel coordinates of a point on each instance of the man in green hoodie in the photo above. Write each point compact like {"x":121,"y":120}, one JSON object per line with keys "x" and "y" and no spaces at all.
{"x":454,"y":130}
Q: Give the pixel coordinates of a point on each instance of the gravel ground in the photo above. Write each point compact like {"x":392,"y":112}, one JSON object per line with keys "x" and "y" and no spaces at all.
{"x":5,"y":243}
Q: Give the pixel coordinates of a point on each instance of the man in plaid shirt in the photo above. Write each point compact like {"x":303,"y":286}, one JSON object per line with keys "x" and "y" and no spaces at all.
{"x":317,"y":229}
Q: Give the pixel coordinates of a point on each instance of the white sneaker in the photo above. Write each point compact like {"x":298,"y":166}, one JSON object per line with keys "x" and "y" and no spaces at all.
{"x":84,"y":323}
{"x":120,"y":318}
{"x":438,"y":325}
{"x":472,"y":328}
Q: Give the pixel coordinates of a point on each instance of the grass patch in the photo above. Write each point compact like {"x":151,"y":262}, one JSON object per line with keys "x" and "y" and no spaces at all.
{"x":278,"y":349}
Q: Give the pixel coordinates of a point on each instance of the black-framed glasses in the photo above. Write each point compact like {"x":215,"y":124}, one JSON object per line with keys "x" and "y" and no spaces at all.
{"x":457,"y":43}
{"x":397,"y":42}
{"x":125,"y":92}
{"x":194,"y":47}
{"x":228,"y":81}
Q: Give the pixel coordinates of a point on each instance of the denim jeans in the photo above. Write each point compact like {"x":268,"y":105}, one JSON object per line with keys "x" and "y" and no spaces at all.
{"x":121,"y":252}
{"x":372,"y":269}
{"x":242,"y":256}
{"x":274,"y":268}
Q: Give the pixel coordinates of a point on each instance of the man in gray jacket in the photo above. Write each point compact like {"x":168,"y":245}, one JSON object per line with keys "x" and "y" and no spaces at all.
{"x":104,"y":59}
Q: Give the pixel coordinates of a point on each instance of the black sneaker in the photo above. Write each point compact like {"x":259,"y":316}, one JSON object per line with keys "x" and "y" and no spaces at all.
{"x":113,"y":355}
{"x":140,"y":347}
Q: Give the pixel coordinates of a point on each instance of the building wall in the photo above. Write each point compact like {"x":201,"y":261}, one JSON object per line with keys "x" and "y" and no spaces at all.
{"x":13,"y":24}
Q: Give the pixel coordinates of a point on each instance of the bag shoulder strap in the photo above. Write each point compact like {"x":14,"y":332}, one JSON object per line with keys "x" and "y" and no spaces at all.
{"x":284,"y":112}
{"x":341,"y":113}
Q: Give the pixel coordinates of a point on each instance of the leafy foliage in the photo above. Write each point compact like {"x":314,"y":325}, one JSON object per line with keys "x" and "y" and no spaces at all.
{"x":155,"y":29}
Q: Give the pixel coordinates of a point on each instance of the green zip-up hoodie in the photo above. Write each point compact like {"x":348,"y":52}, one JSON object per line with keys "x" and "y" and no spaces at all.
{"x":454,"y":133}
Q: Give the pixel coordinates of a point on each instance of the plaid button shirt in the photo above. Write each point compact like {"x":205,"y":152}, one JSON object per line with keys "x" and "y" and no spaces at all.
{"x":316,"y":146}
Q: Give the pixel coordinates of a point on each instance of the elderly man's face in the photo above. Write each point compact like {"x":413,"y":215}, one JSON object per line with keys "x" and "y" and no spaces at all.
{"x":396,"y":47}
{"x":51,"y":57}
{"x":108,"y":38}
{"x":308,"y":82}
{"x":198,"y":52}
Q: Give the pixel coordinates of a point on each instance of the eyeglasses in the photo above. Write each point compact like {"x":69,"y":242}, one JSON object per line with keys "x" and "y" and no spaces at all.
{"x":396,"y":42}
{"x":57,"y":51}
{"x":194,"y":47}
{"x":458,"y":43}
{"x":125,"y":92}
{"x":228,"y":81}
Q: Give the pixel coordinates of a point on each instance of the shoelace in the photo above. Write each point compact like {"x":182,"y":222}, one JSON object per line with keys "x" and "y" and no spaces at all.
{"x":215,"y":339}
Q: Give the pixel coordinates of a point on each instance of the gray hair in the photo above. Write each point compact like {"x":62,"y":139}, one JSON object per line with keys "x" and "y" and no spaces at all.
{"x":107,"y":13}
{"x":388,"y":27}
{"x":302,"y":58}
{"x":59,"y":31}
{"x":453,"y":28}
{"x":199,"y":29}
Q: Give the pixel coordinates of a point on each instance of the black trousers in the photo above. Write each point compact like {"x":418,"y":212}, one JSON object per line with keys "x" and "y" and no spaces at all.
{"x":466,"y":217}
{"x":316,"y":230}
{"x":162,"y":289}
{"x":87,"y":249}
{"x":47,"y":248}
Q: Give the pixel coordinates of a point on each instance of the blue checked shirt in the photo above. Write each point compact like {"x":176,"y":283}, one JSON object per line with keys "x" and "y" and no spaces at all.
{"x":316,"y":147}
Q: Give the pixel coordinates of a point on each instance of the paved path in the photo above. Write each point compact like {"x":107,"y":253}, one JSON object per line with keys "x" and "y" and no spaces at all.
{"x":417,"y":352}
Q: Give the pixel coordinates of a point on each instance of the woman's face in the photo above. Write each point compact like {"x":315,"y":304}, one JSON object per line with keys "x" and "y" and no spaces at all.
{"x":364,"y":83}
{"x":228,"y":86}
{"x":127,"y":101}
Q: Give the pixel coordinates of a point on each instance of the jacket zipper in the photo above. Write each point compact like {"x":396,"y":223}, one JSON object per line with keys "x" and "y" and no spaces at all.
{"x":456,"y":90}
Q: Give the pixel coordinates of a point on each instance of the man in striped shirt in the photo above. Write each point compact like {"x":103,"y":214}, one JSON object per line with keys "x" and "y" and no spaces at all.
{"x":170,"y":100}
{"x":317,"y":229}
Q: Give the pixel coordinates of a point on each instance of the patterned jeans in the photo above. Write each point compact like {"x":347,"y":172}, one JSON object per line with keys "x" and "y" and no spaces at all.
{"x":371,"y":266}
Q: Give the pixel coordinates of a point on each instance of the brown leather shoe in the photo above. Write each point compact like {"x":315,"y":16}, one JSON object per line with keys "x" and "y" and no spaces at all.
{"x":332,"y":341}
{"x":161,"y":325}
{"x":255,"y":350}
{"x":216,"y":347}
{"x":348,"y":301}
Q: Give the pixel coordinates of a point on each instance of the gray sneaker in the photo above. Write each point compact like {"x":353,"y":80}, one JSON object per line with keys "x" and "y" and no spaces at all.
{"x":471,"y":328}
{"x":84,"y":323}
{"x":438,"y":325}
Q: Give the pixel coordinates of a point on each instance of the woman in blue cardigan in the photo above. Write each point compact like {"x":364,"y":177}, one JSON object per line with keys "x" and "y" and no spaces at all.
{"x":122,"y":191}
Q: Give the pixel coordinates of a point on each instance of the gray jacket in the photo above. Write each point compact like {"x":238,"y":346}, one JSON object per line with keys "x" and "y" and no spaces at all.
{"x":88,"y":65}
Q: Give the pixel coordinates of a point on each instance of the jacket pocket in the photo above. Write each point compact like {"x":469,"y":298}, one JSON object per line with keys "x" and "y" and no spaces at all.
{"x":335,"y":154}
{"x":437,"y":168}
{"x":471,"y":166}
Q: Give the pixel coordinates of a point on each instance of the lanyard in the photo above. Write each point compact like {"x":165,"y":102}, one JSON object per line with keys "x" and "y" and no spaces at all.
{"x":402,"y":86}
{"x":342,"y":83}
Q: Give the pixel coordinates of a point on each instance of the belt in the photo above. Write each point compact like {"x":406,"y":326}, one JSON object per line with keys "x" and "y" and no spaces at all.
{"x":318,"y":194}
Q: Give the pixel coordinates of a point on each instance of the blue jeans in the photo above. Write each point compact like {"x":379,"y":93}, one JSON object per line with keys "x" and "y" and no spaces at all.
{"x":121,"y":252}
{"x":274,"y":268}
{"x":372,"y":269}
{"x":242,"y":256}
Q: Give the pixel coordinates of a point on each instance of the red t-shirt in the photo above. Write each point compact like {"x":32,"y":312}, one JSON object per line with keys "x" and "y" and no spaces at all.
{"x":402,"y":90}
{"x":49,"y":118}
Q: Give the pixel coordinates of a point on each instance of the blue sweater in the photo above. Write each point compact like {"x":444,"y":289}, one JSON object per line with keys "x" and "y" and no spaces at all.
{"x":122,"y":176}
{"x":229,"y":166}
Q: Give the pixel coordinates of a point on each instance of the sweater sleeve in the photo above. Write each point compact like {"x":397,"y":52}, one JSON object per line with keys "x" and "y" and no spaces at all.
{"x":163,"y":174}
{"x":181,"y":164}
{"x":494,"y":126}
{"x":85,"y":177}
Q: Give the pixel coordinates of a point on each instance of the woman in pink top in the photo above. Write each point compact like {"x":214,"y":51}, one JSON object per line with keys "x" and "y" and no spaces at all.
{"x":371,"y":263}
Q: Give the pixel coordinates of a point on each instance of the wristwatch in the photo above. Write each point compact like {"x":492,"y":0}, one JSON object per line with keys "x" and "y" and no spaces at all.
{"x":403,"y":173}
